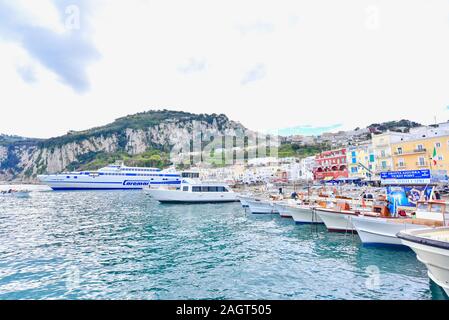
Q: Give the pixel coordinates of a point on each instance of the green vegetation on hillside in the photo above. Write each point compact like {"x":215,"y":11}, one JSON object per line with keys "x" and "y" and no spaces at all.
{"x":142,"y":120}
{"x":6,"y":140}
{"x":295,"y":150}
{"x":394,"y":125}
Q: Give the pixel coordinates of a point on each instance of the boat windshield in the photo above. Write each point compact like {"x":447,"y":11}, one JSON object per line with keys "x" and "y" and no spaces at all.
{"x":437,"y":207}
{"x":423,"y":206}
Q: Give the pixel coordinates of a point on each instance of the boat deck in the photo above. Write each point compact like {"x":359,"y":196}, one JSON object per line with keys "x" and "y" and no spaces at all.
{"x":418,"y":221}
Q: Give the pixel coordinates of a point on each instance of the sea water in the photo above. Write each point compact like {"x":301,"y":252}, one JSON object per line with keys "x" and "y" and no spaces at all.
{"x":124,"y":245}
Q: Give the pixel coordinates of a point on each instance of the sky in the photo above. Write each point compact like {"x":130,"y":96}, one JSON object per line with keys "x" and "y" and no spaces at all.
{"x":298,"y":66}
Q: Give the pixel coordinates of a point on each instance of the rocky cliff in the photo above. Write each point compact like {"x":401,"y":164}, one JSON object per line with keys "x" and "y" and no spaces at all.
{"x":24,"y":159}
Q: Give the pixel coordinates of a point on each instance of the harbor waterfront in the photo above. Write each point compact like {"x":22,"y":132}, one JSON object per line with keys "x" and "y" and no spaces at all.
{"x":126,"y":245}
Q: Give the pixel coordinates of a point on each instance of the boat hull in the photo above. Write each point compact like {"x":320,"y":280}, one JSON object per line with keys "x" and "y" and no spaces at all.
{"x":336,"y":221}
{"x":380,"y":231}
{"x":304,"y":215}
{"x":178,"y":196}
{"x":106,"y":182}
{"x":260,"y":207}
{"x":282,"y":209}
{"x":436,"y":259}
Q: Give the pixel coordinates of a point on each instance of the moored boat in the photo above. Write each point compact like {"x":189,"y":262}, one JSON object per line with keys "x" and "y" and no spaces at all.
{"x":283,"y":207}
{"x":304,"y":214}
{"x":432,"y":249}
{"x":337,"y":220}
{"x":115,"y":177}
{"x":257,"y":206}
{"x":383,"y":229}
{"x":194,"y":192}
{"x":244,"y":200}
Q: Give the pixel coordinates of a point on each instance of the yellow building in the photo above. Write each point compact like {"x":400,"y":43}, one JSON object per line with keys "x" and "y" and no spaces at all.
{"x":361,"y":161}
{"x":383,"y":150}
{"x":417,"y":153}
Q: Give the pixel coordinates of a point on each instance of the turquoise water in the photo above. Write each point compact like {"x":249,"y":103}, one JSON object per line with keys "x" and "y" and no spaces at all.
{"x":123,"y":245}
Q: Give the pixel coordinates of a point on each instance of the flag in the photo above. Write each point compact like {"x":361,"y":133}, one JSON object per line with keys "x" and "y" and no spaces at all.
{"x":434,"y":156}
{"x":363,"y":203}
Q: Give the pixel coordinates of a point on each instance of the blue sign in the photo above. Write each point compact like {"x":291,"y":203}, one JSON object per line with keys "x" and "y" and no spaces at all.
{"x":409,"y":177}
{"x":406,"y":196}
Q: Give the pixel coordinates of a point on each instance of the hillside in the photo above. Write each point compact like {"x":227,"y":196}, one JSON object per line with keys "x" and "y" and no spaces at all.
{"x":143,"y":139}
{"x":398,"y":126}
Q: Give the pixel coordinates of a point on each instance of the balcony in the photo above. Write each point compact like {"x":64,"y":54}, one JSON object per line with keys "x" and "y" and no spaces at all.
{"x":415,"y":151}
{"x":422,"y":164}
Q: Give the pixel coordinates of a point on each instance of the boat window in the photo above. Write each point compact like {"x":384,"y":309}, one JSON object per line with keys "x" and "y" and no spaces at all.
{"x":204,"y":189}
{"x":196,"y":189}
{"x":185,"y":188}
{"x":213,"y":189}
{"x":192,"y":175}
{"x":437,"y":207}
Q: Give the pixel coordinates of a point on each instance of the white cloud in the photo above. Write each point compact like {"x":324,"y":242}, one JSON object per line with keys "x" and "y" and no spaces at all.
{"x":321,"y":65}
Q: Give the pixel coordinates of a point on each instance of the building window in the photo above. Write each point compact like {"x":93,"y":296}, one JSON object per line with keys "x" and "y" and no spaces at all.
{"x":384,"y":164}
{"x":440,"y":157}
{"x":354,"y":169}
{"x":421,"y":161}
{"x":399,"y":150}
{"x":401,"y":163}
{"x":353,"y":153}
{"x":382,"y":153}
{"x":371,"y":158}
{"x":420,"y":147}
{"x":437,"y":145}
{"x":354,"y":160}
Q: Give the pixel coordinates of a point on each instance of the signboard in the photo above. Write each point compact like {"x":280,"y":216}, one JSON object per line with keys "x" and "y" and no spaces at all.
{"x":407,"y":177}
{"x":406,"y":196}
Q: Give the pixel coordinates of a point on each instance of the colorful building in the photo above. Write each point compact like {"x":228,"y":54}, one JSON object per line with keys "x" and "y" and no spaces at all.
{"x":331,"y":164}
{"x":383,"y":154}
{"x":361,"y":161}
{"x":418,"y":153}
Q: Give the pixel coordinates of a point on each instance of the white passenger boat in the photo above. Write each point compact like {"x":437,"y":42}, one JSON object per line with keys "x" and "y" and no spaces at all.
{"x":192,"y":191}
{"x":257,"y":206}
{"x":114,"y":176}
{"x":384,"y":230}
{"x":432,"y":249}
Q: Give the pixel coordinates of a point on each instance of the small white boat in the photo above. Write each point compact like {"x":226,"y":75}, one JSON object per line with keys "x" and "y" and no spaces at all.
{"x":384,"y":230}
{"x":257,"y":206}
{"x":303,"y":214}
{"x":283,"y":207}
{"x":14,"y":193}
{"x":432,"y":249}
{"x":244,"y":200}
{"x":337,"y":220}
{"x":194,"y":192}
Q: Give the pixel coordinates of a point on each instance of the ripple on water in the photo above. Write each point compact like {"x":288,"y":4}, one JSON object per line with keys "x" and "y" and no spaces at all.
{"x":123,"y":245}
